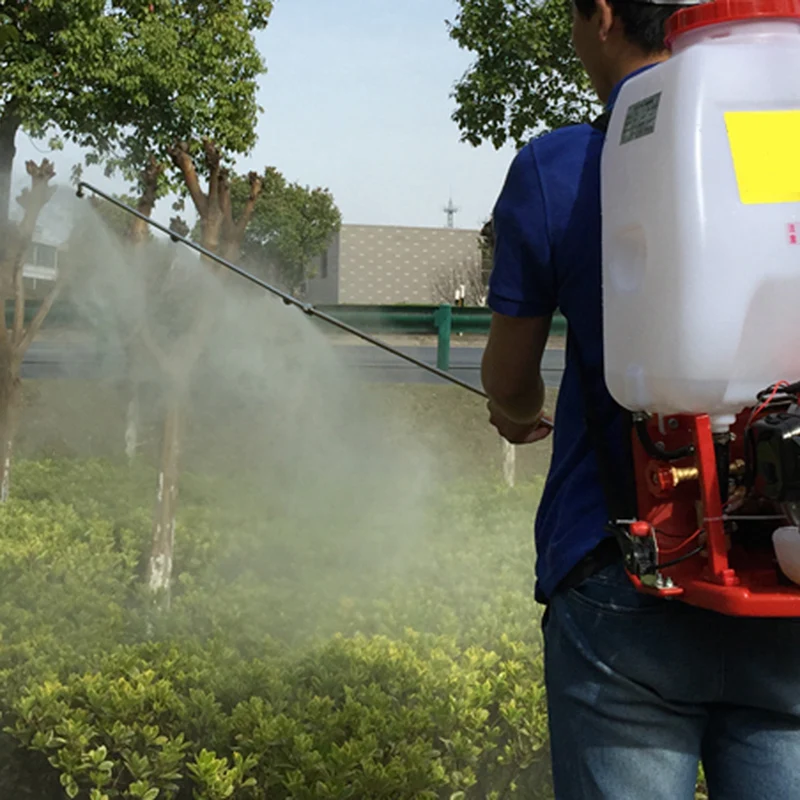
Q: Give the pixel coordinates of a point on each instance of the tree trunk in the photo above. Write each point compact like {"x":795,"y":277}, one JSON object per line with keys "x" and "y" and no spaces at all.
{"x":509,"y":463}
{"x":9,"y":125}
{"x":131,"y":391}
{"x":9,"y":398}
{"x":149,"y":178}
{"x":161,"y":555}
{"x":132,"y":422}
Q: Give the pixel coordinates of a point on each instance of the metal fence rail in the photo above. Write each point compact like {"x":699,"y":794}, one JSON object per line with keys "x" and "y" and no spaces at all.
{"x":442,"y":321}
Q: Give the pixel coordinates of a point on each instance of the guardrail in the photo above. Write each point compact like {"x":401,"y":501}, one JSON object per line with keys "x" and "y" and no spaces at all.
{"x":443,"y":320}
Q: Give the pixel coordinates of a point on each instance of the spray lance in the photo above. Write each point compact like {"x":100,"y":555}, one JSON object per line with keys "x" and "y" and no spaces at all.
{"x":289,"y":300}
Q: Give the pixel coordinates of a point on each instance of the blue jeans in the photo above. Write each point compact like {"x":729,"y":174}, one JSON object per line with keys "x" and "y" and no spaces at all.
{"x":641,"y":690}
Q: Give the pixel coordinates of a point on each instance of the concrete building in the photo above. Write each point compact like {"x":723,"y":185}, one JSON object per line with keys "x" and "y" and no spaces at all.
{"x":387,"y":265}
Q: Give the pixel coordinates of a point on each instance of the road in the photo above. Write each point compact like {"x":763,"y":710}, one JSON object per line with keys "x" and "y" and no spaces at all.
{"x":465,"y":363}
{"x":49,"y":360}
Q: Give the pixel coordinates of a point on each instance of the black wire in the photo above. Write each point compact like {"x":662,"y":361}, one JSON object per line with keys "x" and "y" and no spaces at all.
{"x":784,"y":395}
{"x":683,"y":558}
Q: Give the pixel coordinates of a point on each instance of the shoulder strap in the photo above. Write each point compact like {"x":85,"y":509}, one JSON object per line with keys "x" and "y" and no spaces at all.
{"x":617,"y":479}
{"x":601,"y":122}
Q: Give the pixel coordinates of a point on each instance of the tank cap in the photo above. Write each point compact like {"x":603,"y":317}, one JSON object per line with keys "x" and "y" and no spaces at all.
{"x":721,"y":11}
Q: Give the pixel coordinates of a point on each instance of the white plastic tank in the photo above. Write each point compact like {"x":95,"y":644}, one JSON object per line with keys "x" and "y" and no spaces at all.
{"x":701,"y":215}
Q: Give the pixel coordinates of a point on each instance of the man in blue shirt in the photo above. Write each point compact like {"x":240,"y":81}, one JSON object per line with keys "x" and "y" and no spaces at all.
{"x":640,"y":690}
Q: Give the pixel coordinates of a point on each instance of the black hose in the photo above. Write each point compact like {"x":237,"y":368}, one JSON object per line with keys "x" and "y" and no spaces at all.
{"x":659,"y":453}
{"x":681,"y":559}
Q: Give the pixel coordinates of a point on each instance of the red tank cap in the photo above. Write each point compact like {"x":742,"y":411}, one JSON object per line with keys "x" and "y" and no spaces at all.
{"x":720,"y":11}
{"x":640,"y":528}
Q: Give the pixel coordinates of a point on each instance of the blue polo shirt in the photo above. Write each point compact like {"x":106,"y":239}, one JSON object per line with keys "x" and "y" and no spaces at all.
{"x":547,"y":228}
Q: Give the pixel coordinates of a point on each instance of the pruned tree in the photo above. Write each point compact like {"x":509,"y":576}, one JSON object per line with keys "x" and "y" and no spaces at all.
{"x":16,"y":335}
{"x":525,"y":78}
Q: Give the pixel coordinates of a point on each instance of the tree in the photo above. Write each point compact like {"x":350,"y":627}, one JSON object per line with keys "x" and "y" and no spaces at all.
{"x":189,"y":299}
{"x":191,"y":71}
{"x":16,"y":338}
{"x":292,"y":225}
{"x":180,"y":87}
{"x":526,"y":78}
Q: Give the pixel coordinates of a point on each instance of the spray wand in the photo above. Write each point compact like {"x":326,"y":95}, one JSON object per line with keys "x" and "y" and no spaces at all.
{"x":288,"y":299}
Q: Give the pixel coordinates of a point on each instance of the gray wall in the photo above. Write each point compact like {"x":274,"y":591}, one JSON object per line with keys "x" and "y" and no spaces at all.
{"x":385,"y":265}
{"x":324,"y":288}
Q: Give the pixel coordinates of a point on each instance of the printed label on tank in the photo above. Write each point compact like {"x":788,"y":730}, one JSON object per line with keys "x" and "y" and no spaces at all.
{"x":641,"y":119}
{"x":766,"y":155}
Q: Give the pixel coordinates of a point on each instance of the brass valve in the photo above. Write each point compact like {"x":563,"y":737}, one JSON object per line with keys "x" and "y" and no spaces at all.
{"x":664,"y":479}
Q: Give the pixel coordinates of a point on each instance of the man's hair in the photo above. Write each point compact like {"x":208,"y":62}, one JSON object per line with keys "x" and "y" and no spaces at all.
{"x":643,"y":23}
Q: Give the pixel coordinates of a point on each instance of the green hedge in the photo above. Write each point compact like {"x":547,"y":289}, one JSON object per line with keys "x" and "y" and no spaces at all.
{"x":323,"y":662}
{"x":318,"y":662}
{"x":360,"y":717}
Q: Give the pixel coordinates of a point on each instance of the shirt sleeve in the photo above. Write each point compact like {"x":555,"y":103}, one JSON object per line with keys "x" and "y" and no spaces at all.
{"x":523,"y":281}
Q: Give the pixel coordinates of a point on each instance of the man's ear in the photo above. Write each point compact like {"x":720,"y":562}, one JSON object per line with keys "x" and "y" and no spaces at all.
{"x":604,"y":19}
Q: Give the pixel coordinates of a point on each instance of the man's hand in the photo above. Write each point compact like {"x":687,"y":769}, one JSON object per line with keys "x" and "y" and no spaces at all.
{"x":515,"y":432}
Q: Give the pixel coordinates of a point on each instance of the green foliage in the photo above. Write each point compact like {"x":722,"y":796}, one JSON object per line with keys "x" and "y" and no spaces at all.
{"x":525,"y":78}
{"x":126,"y":79}
{"x":292,"y":225}
{"x":51,"y":63}
{"x":361,"y":717}
{"x":8,"y":33}
{"x":186,"y":70}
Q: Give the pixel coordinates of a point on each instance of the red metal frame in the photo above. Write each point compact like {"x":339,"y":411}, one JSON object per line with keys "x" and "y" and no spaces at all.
{"x":724,"y":577}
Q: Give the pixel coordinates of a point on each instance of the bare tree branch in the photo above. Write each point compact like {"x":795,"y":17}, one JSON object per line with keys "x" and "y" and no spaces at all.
{"x":256,"y":185}
{"x":41,"y":314}
{"x":213,"y":165}
{"x":179,"y":154}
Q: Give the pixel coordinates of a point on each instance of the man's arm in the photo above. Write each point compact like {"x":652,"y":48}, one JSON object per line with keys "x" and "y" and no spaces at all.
{"x":523,"y":294}
{"x":511,"y":369}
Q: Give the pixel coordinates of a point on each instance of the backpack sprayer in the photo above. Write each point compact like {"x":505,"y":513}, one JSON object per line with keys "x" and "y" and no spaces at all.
{"x":701,"y":287}
{"x":288,"y":299}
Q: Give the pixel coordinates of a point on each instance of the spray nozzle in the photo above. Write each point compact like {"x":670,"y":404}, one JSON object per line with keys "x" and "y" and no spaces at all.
{"x":79,"y":191}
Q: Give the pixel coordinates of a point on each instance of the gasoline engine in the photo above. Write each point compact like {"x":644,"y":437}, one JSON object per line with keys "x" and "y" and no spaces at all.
{"x":718,"y":512}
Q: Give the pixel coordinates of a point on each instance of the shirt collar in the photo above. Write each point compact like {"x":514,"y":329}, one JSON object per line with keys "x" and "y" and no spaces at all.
{"x":616,"y":90}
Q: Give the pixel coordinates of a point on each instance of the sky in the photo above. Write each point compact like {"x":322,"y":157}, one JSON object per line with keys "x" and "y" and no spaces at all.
{"x":357,"y":99}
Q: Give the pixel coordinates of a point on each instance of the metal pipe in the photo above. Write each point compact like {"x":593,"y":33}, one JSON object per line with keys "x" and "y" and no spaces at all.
{"x":288,"y":299}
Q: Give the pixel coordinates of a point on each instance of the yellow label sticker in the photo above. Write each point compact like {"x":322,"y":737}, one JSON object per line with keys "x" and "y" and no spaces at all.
{"x":765,"y":146}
